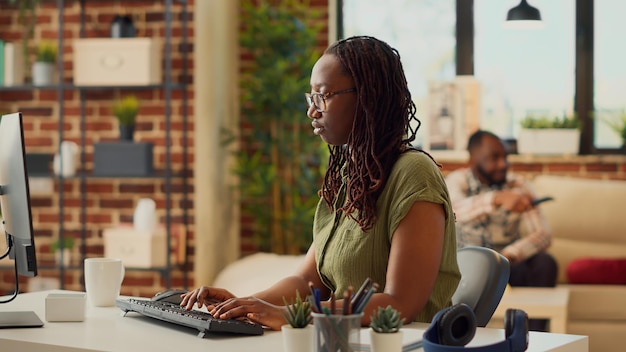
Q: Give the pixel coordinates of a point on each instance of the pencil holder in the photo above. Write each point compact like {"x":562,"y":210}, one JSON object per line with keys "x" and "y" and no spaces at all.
{"x":334,"y":333}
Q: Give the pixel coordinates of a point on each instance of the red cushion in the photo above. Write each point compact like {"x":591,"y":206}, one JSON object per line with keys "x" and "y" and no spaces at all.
{"x":597,"y":271}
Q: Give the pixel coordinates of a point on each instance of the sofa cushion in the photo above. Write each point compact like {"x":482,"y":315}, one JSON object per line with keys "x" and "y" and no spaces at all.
{"x":566,"y":250}
{"x":584,"y":209}
{"x":585,"y":218}
{"x":597,"y":271}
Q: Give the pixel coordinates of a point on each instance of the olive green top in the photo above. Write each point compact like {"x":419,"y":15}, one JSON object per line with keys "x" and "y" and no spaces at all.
{"x":346,"y":255}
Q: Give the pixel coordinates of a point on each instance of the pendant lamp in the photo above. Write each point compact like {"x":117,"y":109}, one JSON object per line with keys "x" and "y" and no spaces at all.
{"x":523,"y":16}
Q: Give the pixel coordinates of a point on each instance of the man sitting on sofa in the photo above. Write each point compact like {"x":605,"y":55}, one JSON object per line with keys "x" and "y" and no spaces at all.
{"x":494,"y":208}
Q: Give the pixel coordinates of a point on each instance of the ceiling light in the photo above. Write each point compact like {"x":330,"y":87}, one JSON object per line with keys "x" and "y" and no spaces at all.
{"x":523,"y":16}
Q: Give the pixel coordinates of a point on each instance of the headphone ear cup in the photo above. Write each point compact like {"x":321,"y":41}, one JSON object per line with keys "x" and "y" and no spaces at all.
{"x":456,"y":326}
{"x":509,"y":322}
{"x":516,"y":329}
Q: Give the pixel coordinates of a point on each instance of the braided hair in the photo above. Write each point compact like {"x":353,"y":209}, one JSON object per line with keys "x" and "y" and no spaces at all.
{"x":381,"y":130}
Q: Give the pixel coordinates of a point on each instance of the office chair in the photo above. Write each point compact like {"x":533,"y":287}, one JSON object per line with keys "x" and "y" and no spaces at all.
{"x":484,"y":276}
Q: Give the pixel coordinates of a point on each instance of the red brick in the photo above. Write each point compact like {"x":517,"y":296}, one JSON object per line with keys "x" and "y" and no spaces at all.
{"x":601,"y":167}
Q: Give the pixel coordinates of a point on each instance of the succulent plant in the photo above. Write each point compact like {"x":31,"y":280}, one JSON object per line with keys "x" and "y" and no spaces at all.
{"x":46,"y":52}
{"x":126,"y":110}
{"x":299,"y":312}
{"x":386,"y":320}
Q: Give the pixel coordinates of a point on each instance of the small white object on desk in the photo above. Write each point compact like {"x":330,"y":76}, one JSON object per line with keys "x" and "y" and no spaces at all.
{"x":65,"y":306}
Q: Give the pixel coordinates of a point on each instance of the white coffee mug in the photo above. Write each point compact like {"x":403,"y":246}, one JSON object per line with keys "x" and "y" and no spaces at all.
{"x":103,"y":280}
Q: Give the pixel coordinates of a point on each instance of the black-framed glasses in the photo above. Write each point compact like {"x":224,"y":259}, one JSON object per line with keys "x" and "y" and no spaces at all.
{"x":318,"y":100}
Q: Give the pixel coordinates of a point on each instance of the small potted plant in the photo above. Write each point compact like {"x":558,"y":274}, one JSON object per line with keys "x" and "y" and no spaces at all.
{"x":126,"y":112}
{"x":43,"y":67}
{"x":545,"y":135}
{"x":65,"y":247}
{"x":385,"y":333}
{"x":298,"y":333}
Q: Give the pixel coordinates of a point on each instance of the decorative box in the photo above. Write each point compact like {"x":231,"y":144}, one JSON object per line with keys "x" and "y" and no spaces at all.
{"x":141,"y":250}
{"x":65,"y":306}
{"x":117,"y":62}
{"x":122,"y":159}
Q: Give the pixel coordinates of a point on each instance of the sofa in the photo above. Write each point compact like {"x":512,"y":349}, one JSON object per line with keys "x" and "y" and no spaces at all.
{"x":588,"y":223}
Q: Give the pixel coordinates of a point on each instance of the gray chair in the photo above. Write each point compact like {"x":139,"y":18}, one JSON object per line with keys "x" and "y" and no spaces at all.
{"x":484,"y":276}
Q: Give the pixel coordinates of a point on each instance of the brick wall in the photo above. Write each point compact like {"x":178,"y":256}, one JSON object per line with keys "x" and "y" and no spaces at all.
{"x":109,"y":201}
{"x":604,"y":167}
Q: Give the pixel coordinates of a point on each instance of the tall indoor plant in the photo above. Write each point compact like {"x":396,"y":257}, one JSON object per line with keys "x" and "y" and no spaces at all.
{"x":280,"y":162}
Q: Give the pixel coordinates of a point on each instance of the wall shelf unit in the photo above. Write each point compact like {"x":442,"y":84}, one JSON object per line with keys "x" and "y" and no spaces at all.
{"x":164,"y":175}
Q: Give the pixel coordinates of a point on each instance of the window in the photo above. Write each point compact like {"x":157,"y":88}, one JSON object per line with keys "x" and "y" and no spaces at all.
{"x":422,"y":31}
{"x":528,"y":72}
{"x":609,"y":70}
{"x":524,"y":72}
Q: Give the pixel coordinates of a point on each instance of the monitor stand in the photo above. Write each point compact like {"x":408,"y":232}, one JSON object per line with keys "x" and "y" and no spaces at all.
{"x":26,"y":319}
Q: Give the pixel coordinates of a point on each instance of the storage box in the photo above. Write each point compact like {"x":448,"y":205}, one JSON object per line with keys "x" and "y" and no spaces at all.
{"x":65,"y":306}
{"x":142,"y":250}
{"x":122,"y":159}
{"x":117,"y":62}
{"x":38,"y":164}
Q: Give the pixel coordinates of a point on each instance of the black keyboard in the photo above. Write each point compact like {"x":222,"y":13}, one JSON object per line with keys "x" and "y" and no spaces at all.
{"x":202,"y":321}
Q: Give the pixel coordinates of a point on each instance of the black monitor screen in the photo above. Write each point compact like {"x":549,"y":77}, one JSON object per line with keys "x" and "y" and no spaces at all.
{"x":15,"y":195}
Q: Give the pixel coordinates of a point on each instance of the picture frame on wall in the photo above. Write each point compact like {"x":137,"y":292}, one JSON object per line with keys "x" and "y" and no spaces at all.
{"x":453,"y":114}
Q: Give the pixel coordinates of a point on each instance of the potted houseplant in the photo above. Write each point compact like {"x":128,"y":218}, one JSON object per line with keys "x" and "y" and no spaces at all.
{"x":65,"y":247}
{"x":298,"y":333}
{"x":544,"y":135}
{"x":279,"y":170}
{"x":126,"y":112}
{"x":385,"y":331}
{"x":43,"y":67}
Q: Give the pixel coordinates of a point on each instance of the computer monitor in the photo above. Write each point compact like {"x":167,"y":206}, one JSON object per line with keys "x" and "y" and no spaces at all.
{"x":16,"y":214}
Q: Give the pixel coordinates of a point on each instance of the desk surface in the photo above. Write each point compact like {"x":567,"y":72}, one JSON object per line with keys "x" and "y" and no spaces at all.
{"x":105,"y":329}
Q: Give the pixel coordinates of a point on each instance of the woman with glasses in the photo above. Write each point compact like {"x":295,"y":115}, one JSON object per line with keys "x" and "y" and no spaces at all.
{"x":384,"y":212}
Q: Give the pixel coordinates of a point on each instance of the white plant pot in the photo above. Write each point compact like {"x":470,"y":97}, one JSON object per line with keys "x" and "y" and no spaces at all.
{"x":67,"y":256}
{"x":43,"y":73}
{"x":548,"y":141}
{"x":297,"y":340}
{"x":382,"y":342}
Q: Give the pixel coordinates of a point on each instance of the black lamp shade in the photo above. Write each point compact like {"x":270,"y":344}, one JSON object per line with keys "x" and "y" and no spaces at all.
{"x":523,"y":12}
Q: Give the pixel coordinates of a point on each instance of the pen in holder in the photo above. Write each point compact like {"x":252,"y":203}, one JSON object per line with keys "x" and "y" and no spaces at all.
{"x":340,"y":330}
{"x":337,"y":332}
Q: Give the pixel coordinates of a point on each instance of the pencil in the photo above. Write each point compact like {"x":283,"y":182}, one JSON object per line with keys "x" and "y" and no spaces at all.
{"x":359,"y":293}
{"x":332,"y":303}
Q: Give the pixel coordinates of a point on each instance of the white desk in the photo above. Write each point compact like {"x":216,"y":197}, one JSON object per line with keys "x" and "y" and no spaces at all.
{"x":539,"y":302}
{"x":104,"y":329}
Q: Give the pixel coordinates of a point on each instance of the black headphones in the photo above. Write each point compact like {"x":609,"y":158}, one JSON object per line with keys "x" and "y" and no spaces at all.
{"x":453,"y":327}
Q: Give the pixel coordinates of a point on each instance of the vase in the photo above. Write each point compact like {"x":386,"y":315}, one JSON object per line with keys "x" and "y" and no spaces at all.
{"x":297,"y":339}
{"x":144,"y":217}
{"x":43,"y":73}
{"x":386,"y":342}
{"x":67,"y":256}
{"x":65,"y":161}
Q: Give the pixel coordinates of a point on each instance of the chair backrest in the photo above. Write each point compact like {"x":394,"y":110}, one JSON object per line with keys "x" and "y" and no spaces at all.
{"x":484,"y":276}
